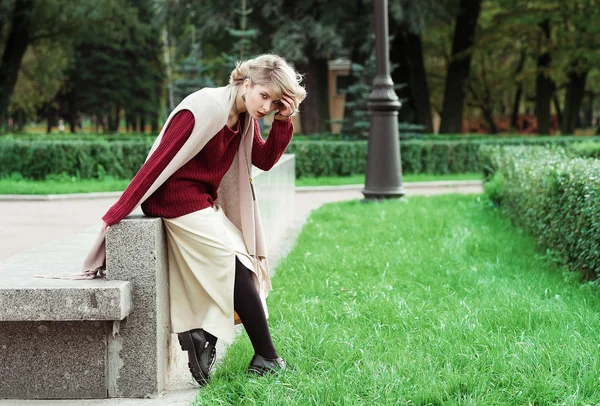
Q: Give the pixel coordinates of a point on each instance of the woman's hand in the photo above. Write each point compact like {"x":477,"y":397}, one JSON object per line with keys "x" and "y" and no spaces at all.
{"x":288,"y":108}
{"x":104,"y":226}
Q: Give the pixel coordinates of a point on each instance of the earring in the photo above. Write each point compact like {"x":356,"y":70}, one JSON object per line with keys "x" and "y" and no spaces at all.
{"x":244,"y":97}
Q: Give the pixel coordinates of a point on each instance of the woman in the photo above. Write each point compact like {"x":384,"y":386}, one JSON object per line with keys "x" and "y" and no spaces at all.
{"x":197,"y":178}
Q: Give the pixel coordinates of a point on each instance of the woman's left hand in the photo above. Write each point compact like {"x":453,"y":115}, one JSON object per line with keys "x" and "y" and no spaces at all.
{"x":288,"y":107}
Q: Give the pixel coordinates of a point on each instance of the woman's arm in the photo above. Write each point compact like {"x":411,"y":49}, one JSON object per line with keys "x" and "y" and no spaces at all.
{"x":265,"y":154}
{"x":178,"y":131}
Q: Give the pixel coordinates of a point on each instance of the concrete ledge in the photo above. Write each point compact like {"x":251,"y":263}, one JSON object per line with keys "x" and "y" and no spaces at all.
{"x":23,"y":297}
{"x":108,"y":300}
{"x":101,"y":353}
{"x":53,"y":360}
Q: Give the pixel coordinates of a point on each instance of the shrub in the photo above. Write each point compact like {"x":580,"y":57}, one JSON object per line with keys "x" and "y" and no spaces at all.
{"x":121,"y":157}
{"x":551,"y":195}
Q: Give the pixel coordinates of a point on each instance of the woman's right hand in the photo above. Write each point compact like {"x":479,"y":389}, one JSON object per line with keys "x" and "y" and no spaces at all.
{"x":105,"y":226}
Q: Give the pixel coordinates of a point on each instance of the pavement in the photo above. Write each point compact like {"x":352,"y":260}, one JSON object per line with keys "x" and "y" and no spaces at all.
{"x":28,"y":222}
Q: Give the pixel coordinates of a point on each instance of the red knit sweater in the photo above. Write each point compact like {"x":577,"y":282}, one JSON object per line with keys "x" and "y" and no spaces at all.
{"x":194,"y":186}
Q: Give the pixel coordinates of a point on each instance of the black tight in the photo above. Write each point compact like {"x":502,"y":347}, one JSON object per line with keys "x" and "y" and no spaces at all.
{"x":247,"y":304}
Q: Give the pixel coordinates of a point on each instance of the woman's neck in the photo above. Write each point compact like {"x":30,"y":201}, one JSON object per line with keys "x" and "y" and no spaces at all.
{"x":238,"y":107}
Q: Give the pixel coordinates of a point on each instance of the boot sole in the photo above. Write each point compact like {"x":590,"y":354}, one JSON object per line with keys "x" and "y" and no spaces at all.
{"x":187,"y":344}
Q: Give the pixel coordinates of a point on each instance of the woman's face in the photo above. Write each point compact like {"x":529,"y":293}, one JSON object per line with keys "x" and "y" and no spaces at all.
{"x":260,"y":101}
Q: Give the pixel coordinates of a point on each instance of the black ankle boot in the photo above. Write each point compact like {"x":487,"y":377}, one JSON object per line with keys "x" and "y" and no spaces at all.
{"x":260,"y":365}
{"x":201,"y":353}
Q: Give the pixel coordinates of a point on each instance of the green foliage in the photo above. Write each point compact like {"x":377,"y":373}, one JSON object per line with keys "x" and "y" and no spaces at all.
{"x":552,"y":196}
{"x":40,"y":77}
{"x":121,"y":155}
{"x":587,"y":149}
{"x":121,"y":67}
{"x":356,"y":122}
{"x":431,"y":301}
{"x":342,"y":158}
{"x":84,"y":159}
{"x":191,"y":76}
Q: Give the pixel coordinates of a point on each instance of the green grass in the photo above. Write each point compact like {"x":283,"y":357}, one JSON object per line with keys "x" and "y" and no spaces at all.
{"x":360,"y":179}
{"x":63,"y":184}
{"x":60,"y":186}
{"x":430,"y":301}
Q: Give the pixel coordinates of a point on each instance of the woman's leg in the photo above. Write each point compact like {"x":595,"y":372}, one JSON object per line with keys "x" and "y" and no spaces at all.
{"x":248,"y":306}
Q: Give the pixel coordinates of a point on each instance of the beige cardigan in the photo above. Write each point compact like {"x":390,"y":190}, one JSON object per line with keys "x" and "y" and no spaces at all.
{"x":210,"y":107}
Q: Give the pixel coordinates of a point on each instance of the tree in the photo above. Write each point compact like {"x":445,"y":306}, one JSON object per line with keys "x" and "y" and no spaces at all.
{"x":578,"y":41}
{"x":356,"y":122}
{"x":303,"y":32}
{"x":191,"y":77}
{"x":409,"y":21}
{"x":27,"y":22}
{"x":40,"y":79}
{"x":460,"y":65}
{"x":17,"y":42}
{"x":544,"y":84}
{"x":497,"y":63}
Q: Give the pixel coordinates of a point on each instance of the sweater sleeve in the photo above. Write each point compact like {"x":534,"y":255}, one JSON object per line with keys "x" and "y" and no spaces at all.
{"x":176,"y":134}
{"x":265,"y":154}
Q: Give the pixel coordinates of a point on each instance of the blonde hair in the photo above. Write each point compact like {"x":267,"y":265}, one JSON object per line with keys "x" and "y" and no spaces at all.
{"x":270,"y":70}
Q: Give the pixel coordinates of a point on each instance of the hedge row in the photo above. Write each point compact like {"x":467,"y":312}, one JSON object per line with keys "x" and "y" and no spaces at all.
{"x":121,"y":159}
{"x":551,"y":195}
{"x":85,"y":159}
{"x":587,"y":149}
{"x":330,"y":158}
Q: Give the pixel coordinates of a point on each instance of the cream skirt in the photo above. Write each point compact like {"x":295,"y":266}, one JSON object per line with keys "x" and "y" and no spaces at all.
{"x":202,"y":249}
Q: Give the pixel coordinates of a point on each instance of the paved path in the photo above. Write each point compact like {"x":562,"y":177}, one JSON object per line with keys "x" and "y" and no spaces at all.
{"x":26,"y":224}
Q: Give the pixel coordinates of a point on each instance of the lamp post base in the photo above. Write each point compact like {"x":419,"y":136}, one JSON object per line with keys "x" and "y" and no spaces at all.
{"x":382,"y":193}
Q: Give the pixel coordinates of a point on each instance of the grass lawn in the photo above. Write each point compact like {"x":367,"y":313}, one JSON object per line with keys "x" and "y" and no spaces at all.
{"x":360,"y":179}
{"x":47,"y":187}
{"x":431,"y":301}
{"x":65,"y":185}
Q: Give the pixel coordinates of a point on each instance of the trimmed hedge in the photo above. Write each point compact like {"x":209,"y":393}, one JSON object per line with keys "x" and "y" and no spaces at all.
{"x":93,"y":158}
{"x":551,"y":195}
{"x":84,"y":159}
{"x":342,"y":158}
{"x":587,"y":149}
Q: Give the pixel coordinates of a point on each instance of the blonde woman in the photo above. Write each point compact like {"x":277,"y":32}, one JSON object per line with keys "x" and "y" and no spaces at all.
{"x":197,"y":178}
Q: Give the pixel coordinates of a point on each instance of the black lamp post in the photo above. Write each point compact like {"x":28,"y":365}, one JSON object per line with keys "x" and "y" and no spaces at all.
{"x":384,"y":172}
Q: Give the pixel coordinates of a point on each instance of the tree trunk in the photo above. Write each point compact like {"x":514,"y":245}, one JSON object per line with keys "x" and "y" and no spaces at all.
{"x":134,"y":124}
{"x":314,"y":109}
{"x":514,"y":118}
{"x":544,"y":86}
{"x":142,"y":124}
{"x":16,"y":45}
{"x":400,"y":74}
{"x":418,"y":81}
{"x":20,"y":118}
{"x":557,"y":107}
{"x":489,"y":119}
{"x":573,"y":99}
{"x":117,"y":119}
{"x":406,"y":50}
{"x":588,"y":112}
{"x":154,"y":123}
{"x":459,"y":67}
{"x":110,"y":123}
{"x":356,"y":57}
{"x":72,"y":111}
{"x":128,"y":121}
{"x":50,"y":118}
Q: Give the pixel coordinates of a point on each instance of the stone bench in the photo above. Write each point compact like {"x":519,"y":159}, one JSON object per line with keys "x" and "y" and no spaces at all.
{"x":107,"y":337}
